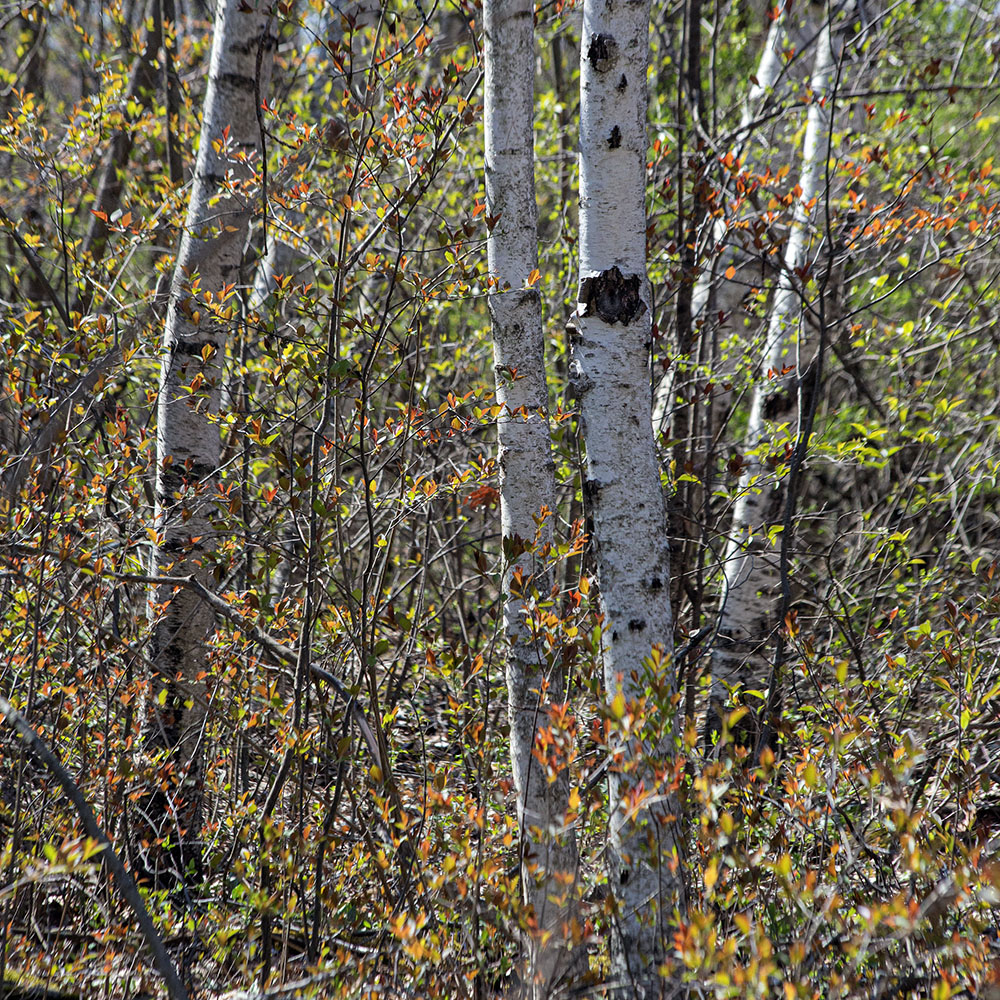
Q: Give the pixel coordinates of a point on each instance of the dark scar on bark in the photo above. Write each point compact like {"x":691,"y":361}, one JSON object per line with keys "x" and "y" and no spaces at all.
{"x":603,"y":52}
{"x":591,"y":488}
{"x":779,"y":403}
{"x":612,"y":297}
{"x":615,"y":139}
{"x":622,"y":83}
{"x":636,"y":625}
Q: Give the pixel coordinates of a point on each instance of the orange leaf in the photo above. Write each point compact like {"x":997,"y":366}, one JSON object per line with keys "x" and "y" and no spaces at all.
{"x":483,"y":496}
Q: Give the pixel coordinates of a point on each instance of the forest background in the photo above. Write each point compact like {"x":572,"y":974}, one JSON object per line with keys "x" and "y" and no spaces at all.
{"x":257,"y":600}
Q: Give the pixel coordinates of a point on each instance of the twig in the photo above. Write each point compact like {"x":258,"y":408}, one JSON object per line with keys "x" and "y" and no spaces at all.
{"x":279,"y":651}
{"x":36,"y":266}
{"x":55,"y":421}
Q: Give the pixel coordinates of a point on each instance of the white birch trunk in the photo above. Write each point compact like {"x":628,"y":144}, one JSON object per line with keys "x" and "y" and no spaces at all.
{"x":194,"y":338}
{"x":527,"y":483}
{"x":751,"y":575}
{"x":768,"y":73}
{"x":622,"y":491}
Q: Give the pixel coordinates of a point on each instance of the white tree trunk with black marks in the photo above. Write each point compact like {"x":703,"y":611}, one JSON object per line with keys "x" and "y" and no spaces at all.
{"x":624,"y":499}
{"x":527,"y":483}
{"x":199,"y":317}
{"x":747,"y":618}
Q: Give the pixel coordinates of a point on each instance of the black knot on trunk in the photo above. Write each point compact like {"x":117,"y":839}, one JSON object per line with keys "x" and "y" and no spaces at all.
{"x":612,"y":297}
{"x":603,"y":52}
{"x":591,"y":489}
{"x":615,"y":139}
{"x":778,"y":404}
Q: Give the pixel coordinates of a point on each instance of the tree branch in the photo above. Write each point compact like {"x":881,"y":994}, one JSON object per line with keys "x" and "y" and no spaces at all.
{"x":279,"y":651}
{"x":126,"y":884}
{"x":36,"y":265}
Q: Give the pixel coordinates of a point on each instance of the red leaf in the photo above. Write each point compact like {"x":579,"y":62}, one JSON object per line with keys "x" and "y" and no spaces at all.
{"x":485,"y":495}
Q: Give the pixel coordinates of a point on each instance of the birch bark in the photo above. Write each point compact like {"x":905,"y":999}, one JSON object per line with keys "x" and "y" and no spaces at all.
{"x":622,"y":491}
{"x":767,"y":77}
{"x":187,"y":438}
{"x":527,"y":484}
{"x":746,"y":622}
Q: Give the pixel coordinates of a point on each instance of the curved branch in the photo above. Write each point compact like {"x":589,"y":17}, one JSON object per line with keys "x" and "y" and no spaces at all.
{"x":126,"y":884}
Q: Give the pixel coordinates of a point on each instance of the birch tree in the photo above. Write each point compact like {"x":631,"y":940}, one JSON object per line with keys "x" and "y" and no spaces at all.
{"x":762,"y":87}
{"x":527,"y":485}
{"x":610,"y":378}
{"x":751,"y":574}
{"x":200,"y":307}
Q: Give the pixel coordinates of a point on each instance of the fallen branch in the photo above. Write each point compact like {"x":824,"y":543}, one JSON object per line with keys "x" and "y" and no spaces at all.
{"x":126,"y":884}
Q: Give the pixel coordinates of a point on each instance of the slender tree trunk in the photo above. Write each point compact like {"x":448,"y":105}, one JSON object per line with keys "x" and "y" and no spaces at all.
{"x":527,"y":483}
{"x":767,"y":76}
{"x":281,"y":257}
{"x":747,"y":622}
{"x":187,"y":441}
{"x":33,"y":38}
{"x":35,"y":60}
{"x":167,"y":22}
{"x":610,"y":377}
{"x":142,"y":86}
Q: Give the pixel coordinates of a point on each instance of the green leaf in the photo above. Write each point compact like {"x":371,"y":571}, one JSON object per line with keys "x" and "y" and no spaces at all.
{"x":618,"y":706}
